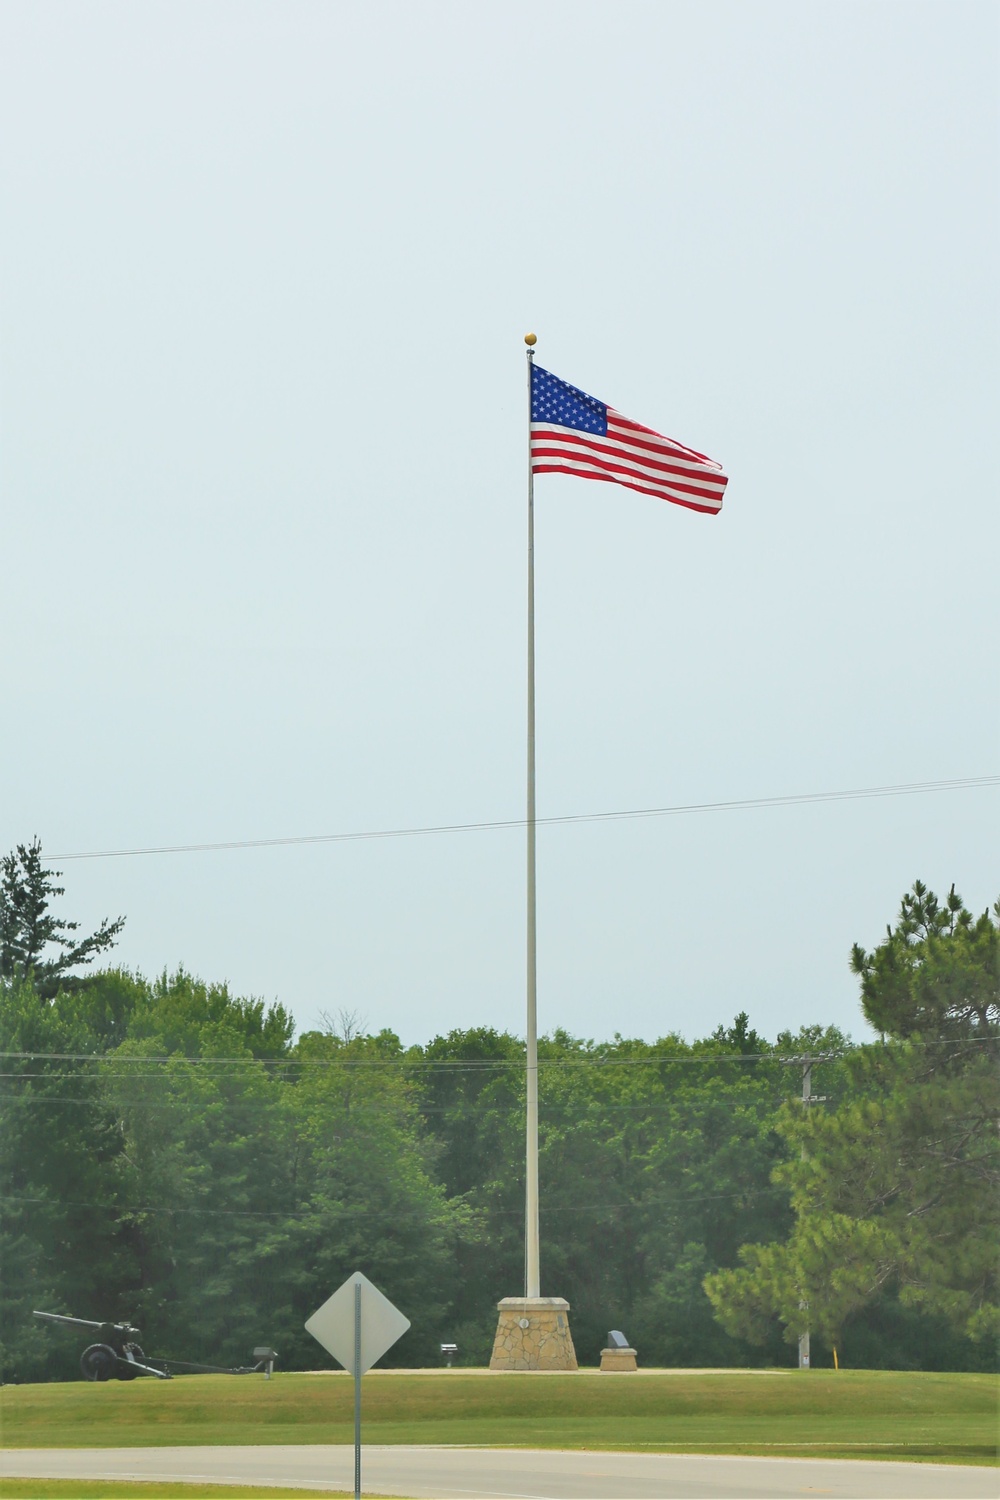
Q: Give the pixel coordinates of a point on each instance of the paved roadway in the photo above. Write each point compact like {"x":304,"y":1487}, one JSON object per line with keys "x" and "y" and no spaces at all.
{"x":427,"y":1473}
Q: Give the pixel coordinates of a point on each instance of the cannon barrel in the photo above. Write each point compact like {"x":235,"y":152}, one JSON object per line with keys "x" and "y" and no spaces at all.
{"x":123,"y":1328}
{"x":64,"y":1318}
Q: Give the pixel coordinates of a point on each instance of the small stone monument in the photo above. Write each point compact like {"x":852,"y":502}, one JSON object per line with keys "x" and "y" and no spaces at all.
{"x":533,"y":1334}
{"x":618,"y":1355}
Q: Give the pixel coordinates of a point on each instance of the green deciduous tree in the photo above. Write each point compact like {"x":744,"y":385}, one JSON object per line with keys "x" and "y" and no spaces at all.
{"x":655,"y":1163}
{"x":170,"y":1154}
{"x":61,"y":1246}
{"x":366,"y":1192}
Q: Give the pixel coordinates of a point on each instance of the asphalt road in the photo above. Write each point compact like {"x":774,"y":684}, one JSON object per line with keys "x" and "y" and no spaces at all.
{"x":515,"y":1473}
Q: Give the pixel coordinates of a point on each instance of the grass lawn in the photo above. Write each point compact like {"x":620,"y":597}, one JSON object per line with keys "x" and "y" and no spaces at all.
{"x":816,"y":1413}
{"x":102,"y":1489}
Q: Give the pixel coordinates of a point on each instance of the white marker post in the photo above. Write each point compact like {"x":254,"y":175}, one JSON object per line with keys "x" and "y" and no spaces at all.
{"x":357,"y":1325}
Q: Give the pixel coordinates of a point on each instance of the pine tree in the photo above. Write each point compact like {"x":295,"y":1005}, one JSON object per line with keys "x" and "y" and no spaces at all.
{"x":28,"y":927}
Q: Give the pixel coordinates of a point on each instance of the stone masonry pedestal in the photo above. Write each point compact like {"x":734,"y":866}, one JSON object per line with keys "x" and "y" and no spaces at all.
{"x":618,"y":1359}
{"x":533,"y":1334}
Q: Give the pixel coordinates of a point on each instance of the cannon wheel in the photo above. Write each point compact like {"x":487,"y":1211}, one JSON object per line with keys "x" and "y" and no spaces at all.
{"x":125,"y":1370}
{"x":98,"y":1362}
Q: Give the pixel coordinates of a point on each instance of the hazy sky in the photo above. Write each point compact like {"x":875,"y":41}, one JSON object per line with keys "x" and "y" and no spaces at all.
{"x":267,"y":269}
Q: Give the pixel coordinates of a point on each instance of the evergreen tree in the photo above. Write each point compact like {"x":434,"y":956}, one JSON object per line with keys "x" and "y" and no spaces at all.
{"x":28,"y":927}
{"x":896,"y":1189}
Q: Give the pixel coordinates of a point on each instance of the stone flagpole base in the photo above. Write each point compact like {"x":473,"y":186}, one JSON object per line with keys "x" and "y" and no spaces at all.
{"x":533,"y":1334}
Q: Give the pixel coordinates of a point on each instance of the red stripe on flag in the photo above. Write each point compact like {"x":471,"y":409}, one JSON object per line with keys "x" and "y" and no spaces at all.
{"x":601,"y":469}
{"x":541,"y":444}
{"x":658,"y":494}
{"x":585,"y":458}
{"x":616,"y":420}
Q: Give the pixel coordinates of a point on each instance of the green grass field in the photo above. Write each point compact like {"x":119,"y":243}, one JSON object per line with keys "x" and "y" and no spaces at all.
{"x":103,"y":1489}
{"x":849,"y":1413}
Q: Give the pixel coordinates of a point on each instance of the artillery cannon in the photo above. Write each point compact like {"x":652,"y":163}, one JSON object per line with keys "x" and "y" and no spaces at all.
{"x":118,"y":1354}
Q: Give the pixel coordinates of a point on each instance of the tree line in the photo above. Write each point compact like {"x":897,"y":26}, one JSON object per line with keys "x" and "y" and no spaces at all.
{"x":174,"y":1155}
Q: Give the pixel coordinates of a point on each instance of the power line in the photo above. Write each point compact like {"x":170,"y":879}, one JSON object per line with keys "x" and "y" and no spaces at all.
{"x":346,"y":1210}
{"x":458,"y":1065}
{"x":581,"y":1107}
{"x":904,"y":789}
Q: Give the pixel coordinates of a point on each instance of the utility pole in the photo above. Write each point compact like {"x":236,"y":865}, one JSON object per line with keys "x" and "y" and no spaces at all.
{"x":808,"y":1097}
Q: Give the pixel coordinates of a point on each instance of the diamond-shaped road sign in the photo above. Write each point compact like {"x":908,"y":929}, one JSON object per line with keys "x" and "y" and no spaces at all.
{"x":332,"y":1325}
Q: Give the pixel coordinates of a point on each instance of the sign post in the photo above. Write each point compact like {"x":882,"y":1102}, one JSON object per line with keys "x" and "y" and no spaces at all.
{"x":357,"y":1390}
{"x":357,"y":1325}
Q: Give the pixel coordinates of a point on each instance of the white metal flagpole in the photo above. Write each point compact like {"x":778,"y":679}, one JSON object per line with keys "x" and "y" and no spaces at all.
{"x":532,"y":1282}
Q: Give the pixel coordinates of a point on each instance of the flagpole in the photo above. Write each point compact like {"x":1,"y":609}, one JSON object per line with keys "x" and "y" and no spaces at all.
{"x":532,"y":1282}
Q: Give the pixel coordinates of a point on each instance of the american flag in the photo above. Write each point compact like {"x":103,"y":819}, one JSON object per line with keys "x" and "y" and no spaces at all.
{"x":572,"y":433}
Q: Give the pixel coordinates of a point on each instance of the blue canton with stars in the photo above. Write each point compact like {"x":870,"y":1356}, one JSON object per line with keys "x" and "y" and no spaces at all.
{"x":552,"y":400}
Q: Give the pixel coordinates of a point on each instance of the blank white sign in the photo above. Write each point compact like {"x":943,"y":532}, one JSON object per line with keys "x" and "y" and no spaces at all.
{"x":332,"y":1325}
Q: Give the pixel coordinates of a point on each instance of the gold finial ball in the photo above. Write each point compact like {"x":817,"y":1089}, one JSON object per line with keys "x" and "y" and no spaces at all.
{"x":530,"y":339}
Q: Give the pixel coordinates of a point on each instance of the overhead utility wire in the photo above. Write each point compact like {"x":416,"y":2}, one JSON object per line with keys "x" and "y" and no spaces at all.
{"x":125,"y":1210}
{"x":905,"y":789}
{"x":417,"y":1067}
{"x":582,"y":1106}
{"x":457,"y":1065}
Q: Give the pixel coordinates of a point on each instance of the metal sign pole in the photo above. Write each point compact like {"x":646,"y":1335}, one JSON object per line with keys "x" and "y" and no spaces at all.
{"x":357,"y":1390}
{"x":337,"y":1326}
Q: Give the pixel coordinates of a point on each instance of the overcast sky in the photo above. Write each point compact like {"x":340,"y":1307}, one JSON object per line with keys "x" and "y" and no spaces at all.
{"x":267,"y":272}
